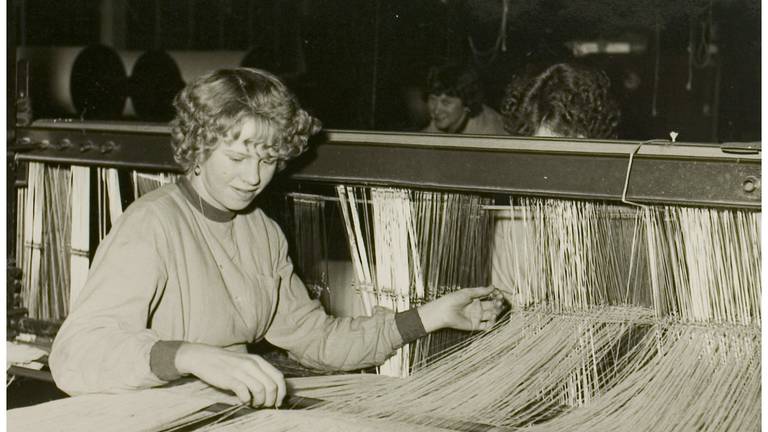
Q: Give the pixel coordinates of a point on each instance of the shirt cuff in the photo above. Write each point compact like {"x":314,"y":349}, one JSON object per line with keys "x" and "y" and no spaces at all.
{"x":162,"y":360}
{"x":409,"y":325}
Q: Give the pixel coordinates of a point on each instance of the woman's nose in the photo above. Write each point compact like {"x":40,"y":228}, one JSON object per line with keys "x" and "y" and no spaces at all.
{"x":251,"y":173}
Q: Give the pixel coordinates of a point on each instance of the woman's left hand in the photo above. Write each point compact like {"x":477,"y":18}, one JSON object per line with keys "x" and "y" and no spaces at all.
{"x":465,"y":309}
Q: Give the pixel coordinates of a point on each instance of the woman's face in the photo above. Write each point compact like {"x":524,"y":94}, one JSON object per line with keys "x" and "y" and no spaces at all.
{"x":548,"y":130}
{"x":235,"y":173}
{"x":448,"y":112}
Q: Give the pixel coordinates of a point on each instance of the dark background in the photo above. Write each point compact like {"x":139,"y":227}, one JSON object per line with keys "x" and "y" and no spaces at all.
{"x":352,"y":63}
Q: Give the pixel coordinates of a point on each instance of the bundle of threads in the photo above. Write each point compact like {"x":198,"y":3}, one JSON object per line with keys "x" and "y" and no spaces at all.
{"x":405,"y":247}
{"x":624,"y":318}
{"x":45,"y":212}
{"x":54,"y":240}
{"x":411,"y":247}
{"x":309,"y":244}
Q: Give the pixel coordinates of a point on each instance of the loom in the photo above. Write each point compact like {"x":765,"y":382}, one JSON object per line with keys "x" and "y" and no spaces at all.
{"x":624,"y":175}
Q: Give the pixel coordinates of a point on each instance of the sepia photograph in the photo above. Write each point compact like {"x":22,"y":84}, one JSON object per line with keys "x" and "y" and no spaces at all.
{"x":383,"y":215}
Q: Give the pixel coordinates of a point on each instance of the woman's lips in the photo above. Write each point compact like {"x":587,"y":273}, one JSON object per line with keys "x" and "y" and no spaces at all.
{"x":245,"y":193}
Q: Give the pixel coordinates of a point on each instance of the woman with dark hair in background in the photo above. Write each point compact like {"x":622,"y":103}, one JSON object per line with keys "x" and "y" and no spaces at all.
{"x":455,"y":102}
{"x":565,"y":100}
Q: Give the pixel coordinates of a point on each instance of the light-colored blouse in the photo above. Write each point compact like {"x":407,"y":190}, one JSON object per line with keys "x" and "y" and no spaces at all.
{"x":487,"y":122}
{"x":168,"y":272}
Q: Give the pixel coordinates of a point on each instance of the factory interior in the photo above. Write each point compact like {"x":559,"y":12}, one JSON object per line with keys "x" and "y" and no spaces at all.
{"x":466,"y":215}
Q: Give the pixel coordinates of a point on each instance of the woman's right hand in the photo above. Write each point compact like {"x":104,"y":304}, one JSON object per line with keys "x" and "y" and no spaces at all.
{"x":250,"y":377}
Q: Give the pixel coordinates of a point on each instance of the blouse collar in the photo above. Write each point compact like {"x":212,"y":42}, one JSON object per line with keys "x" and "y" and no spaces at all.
{"x":209,"y":211}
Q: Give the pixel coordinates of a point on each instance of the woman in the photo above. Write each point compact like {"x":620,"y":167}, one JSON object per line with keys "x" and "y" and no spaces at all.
{"x":455,"y":103}
{"x":566,"y":100}
{"x":193,"y":271}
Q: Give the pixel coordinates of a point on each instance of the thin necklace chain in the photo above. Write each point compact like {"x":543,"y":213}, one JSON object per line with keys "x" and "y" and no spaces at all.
{"x":233,"y":254}
{"x":200,"y":200}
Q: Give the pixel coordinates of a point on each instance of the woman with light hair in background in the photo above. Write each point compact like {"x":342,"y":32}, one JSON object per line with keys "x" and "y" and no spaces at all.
{"x":566,"y":100}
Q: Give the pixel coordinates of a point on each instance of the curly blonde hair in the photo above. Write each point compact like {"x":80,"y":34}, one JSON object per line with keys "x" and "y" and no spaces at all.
{"x":573,"y":100}
{"x":210,"y":109}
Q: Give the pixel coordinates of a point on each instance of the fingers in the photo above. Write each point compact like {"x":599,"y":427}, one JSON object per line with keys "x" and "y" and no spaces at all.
{"x":247,"y":387}
{"x":253,"y":386}
{"x":478,"y":292}
{"x":491,"y":309}
{"x":485,"y":325}
{"x":263,"y":385}
{"x":250,"y":377}
{"x":495,"y":305}
{"x":276,"y":377}
{"x":261,"y":388}
{"x":497,"y":295}
{"x":485,"y":318}
{"x":254,"y":381}
{"x":489,"y":315}
{"x":241,"y":391}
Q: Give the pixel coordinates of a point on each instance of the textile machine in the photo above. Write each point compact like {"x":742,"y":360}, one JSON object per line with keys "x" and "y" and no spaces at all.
{"x":506,"y":172}
{"x":713,"y":175}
